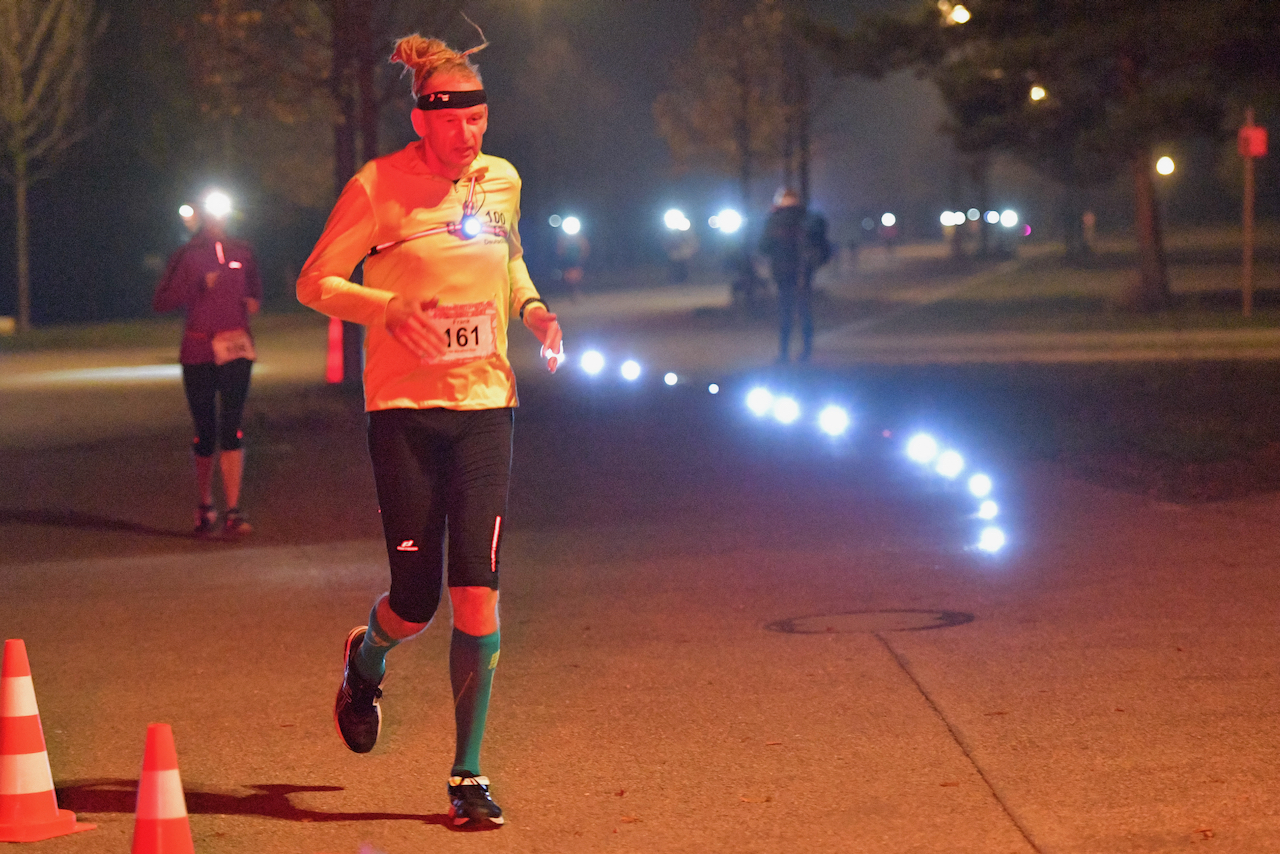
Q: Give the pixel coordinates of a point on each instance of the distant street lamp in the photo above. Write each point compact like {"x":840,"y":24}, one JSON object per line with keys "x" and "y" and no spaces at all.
{"x":1165,"y":165}
{"x":953,"y":13}
{"x":1038,"y":93}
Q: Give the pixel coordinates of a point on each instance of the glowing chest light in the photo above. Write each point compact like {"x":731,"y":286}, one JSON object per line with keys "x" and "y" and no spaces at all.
{"x":469,"y":225}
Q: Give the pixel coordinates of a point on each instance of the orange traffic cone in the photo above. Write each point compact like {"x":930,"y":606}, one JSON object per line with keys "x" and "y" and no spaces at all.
{"x":160,"y":825}
{"x":28,"y":804}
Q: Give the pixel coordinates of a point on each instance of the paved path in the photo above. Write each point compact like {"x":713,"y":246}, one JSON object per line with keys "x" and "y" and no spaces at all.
{"x":717,"y":634}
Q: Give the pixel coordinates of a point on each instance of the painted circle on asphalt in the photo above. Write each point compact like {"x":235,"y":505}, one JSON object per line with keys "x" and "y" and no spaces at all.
{"x":870,"y":622}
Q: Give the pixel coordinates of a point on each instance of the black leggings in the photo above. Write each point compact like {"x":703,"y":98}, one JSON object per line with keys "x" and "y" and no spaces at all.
{"x":230,"y":383}
{"x":439,"y":469}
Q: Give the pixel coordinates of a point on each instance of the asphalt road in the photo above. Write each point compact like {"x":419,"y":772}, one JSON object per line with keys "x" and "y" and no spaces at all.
{"x":720,"y":633}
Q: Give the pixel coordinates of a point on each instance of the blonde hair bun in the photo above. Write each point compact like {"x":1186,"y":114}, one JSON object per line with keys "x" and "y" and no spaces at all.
{"x":426,"y":57}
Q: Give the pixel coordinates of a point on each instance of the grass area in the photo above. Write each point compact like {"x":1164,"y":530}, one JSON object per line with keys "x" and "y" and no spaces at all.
{"x":121,"y":334}
{"x":1044,"y":293}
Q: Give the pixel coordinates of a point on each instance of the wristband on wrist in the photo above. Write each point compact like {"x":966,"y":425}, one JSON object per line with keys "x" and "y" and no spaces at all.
{"x":524,"y":305}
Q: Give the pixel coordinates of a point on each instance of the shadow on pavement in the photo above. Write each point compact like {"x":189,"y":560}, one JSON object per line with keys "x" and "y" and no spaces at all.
{"x":269,"y":800}
{"x":85,"y":521}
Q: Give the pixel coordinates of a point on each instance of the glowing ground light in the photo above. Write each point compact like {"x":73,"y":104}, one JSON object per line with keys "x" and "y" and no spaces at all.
{"x":887,"y":220}
{"x":760,"y":400}
{"x":786,"y":410}
{"x":833,"y":420}
{"x":670,"y":379}
{"x":186,"y":212}
{"x":592,"y":362}
{"x":713,"y":388}
{"x":1009,"y":218}
{"x":991,"y":540}
{"x":630,"y":370}
{"x":571,"y":225}
{"x":950,"y":464}
{"x":988,"y":510}
{"x":922,"y":448}
{"x":992,"y":217}
{"x":979,"y":486}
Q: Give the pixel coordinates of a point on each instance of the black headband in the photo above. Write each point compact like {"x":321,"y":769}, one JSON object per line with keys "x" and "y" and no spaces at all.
{"x":451,"y":100}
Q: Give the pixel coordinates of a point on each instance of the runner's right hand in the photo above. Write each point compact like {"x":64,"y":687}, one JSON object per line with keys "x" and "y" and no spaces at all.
{"x":407,"y":323}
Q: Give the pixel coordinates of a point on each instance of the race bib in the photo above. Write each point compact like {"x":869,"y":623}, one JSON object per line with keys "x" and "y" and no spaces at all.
{"x":232,"y":344}
{"x":470,"y":330}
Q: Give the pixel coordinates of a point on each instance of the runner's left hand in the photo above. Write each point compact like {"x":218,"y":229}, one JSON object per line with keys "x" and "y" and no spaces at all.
{"x":543,"y":324}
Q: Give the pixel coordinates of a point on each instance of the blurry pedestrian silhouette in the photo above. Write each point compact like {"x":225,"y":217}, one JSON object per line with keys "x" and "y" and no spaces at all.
{"x":795,"y":241}
{"x":571,"y":256}
{"x":680,"y":247}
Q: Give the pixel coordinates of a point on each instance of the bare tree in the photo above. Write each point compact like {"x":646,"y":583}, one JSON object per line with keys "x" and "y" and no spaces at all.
{"x":44,"y":75}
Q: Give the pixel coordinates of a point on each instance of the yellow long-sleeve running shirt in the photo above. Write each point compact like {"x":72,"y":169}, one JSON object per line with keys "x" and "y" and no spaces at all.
{"x":480,"y":280}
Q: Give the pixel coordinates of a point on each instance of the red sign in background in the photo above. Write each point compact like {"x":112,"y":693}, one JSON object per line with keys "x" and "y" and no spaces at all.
{"x":1253,"y":141}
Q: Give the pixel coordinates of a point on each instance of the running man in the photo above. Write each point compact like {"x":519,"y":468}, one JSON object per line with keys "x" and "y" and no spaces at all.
{"x":444,"y":272}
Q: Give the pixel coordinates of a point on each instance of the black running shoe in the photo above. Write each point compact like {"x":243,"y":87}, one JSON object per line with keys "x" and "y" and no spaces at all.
{"x":470,"y":804}
{"x":356,"y":711}
{"x":235,"y":525}
{"x":206,"y":516}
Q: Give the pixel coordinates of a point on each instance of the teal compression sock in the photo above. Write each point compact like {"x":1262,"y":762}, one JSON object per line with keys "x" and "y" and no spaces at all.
{"x":472,"y":661}
{"x":371,"y":658}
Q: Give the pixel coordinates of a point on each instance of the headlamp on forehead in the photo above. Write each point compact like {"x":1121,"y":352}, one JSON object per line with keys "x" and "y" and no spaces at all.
{"x":451,"y":100}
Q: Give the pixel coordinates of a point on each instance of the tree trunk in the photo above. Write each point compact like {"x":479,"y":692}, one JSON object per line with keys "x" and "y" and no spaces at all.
{"x":744,"y":131}
{"x":23,"y":247}
{"x":1071,"y":212}
{"x":344,"y":159}
{"x":1151,"y":288}
{"x":364,"y":60}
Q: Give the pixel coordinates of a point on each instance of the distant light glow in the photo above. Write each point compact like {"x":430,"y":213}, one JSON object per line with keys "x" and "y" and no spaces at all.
{"x":727,"y":221}
{"x":217,"y":204}
{"x":786,"y":410}
{"x":186,"y":212}
{"x":887,"y":220}
{"x":992,"y":217}
{"x":592,"y":362}
{"x":833,"y":420}
{"x":631,"y":370}
{"x":760,"y":400}
{"x":675,"y":220}
{"x":988,"y":510}
{"x":1026,"y":231}
{"x":1165,"y":165}
{"x":973,"y":214}
{"x":991,"y":540}
{"x":949,"y":218}
{"x":1009,"y":218}
{"x":713,"y":388}
{"x":670,"y":378}
{"x":959,"y":15}
{"x":1038,"y":93}
{"x":979,"y":486}
{"x":922,"y":448}
{"x":950,"y":464}
{"x":571,"y":225}
{"x":868,"y":223}
{"x":554,"y":220}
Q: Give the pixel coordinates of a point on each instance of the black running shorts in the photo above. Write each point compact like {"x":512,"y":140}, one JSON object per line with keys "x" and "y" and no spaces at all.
{"x":207,"y":385}
{"x":438,"y":470}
